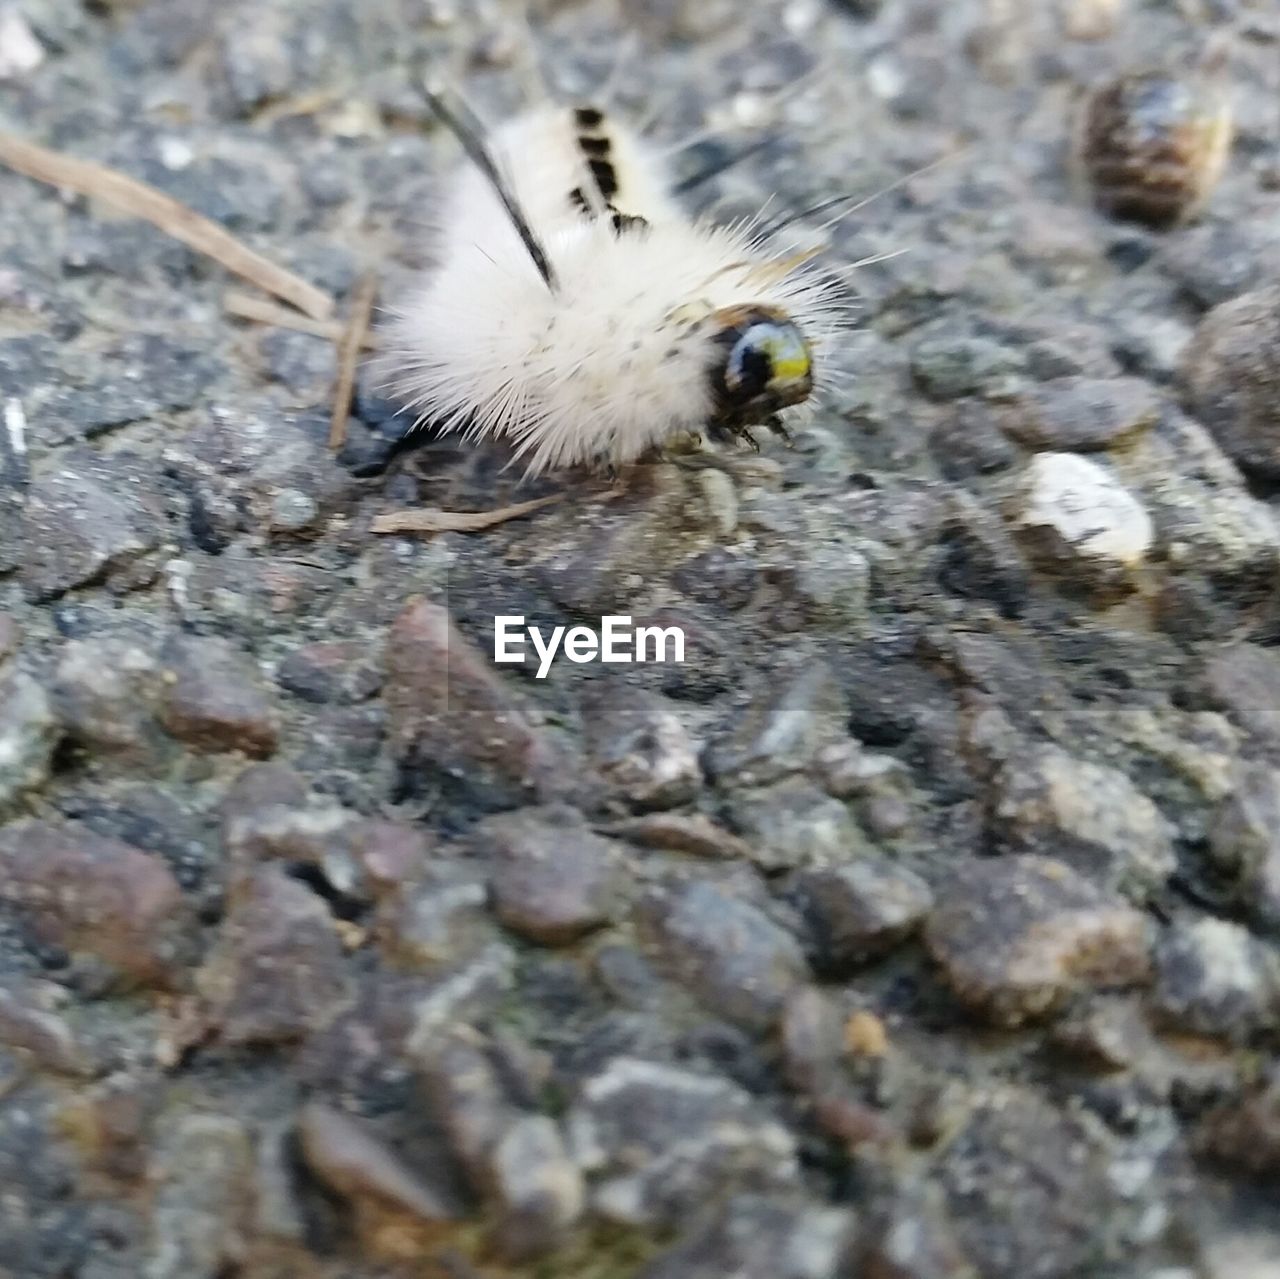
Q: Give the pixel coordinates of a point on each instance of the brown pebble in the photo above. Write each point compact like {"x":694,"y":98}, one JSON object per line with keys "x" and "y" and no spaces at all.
{"x":98,"y":896}
{"x":852,"y":1122}
{"x":344,"y":1154}
{"x":214,"y":699}
{"x":552,"y":878}
{"x":450,"y":714}
{"x":1231,"y":371}
{"x":277,"y":970}
{"x":1243,"y":1133}
{"x":1015,"y":936}
{"x":1154,"y":145}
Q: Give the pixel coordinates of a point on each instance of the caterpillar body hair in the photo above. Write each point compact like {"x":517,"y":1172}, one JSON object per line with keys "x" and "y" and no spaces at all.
{"x":600,"y":321}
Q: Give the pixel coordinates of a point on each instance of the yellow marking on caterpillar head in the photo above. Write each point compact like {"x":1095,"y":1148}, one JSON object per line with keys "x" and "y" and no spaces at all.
{"x":766,"y":362}
{"x":789,"y":354}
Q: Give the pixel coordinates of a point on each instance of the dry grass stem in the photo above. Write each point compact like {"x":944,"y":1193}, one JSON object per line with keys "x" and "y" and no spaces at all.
{"x":166,"y":214}
{"x":252,"y":306}
{"x":349,"y":346}
{"x":434,"y":521}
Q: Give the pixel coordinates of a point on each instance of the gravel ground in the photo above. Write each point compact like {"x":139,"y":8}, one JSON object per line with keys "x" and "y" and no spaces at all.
{"x":923,"y":924}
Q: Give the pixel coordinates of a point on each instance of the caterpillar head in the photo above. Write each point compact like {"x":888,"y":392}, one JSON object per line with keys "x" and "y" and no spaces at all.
{"x":762,"y":363}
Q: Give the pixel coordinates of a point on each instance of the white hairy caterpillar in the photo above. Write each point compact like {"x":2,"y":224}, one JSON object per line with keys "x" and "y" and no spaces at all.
{"x":578,"y":313}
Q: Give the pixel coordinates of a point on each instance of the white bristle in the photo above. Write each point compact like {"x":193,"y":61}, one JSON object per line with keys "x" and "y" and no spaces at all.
{"x":614,"y":353}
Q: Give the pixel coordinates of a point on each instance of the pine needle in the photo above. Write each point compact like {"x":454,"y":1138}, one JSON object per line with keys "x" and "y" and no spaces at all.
{"x":349,"y":345}
{"x":249,"y":306}
{"x":166,"y":214}
{"x":435,"y":521}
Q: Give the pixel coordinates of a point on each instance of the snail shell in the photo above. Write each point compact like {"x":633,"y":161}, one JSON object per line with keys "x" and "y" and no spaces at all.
{"x":1154,"y":145}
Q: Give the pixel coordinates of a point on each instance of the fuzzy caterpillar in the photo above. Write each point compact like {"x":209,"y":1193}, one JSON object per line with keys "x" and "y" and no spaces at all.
{"x":610,"y":322}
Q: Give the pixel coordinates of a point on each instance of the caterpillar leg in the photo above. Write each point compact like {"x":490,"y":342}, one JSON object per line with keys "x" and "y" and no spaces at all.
{"x":733,"y":431}
{"x":775,"y":425}
{"x":726,"y":432}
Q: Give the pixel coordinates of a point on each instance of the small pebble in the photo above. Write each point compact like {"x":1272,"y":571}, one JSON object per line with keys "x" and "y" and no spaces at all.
{"x":1016,"y":936}
{"x":344,"y":1154}
{"x":800,"y":710}
{"x":641,"y":747}
{"x":277,"y":970}
{"x":470,"y":727}
{"x":552,"y":878}
{"x":86,"y":893}
{"x":1154,"y":145}
{"x":865,"y":1035}
{"x":1090,"y":19}
{"x":214,"y":699}
{"x":1231,"y":371}
{"x":1091,"y":816}
{"x":1076,"y":517}
{"x":1244,"y":841}
{"x":794,"y":823}
{"x":757,"y":1237}
{"x":661,"y":1141}
{"x":1243,"y":680}
{"x":29,"y":734}
{"x":728,"y":951}
{"x":20,"y":51}
{"x":293,"y":511}
{"x":89,"y":518}
{"x":1212,"y":978}
{"x":1082,"y":414}
{"x":859,"y":911}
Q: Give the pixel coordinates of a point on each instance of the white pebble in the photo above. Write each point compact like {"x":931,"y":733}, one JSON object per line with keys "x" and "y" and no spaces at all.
{"x":175,"y":153}
{"x":15,"y":423}
{"x":20,"y":51}
{"x":1089,"y":510}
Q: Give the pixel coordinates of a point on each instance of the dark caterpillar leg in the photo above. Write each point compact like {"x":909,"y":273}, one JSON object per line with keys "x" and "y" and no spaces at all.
{"x":732,"y":432}
{"x":775,"y":425}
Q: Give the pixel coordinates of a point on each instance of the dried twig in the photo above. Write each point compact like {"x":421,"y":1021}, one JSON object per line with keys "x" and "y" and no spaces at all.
{"x":166,"y":214}
{"x":249,"y":306}
{"x":434,"y":521}
{"x":349,"y":344}
{"x":304,"y":104}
